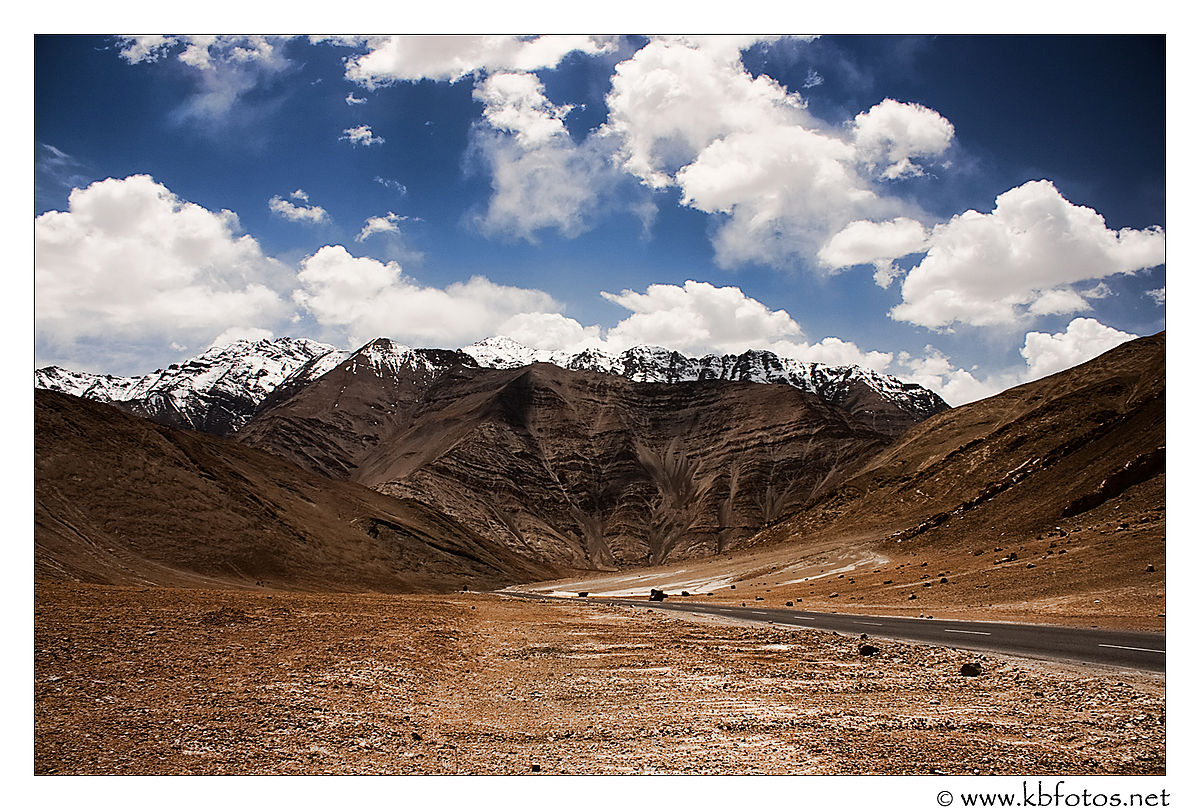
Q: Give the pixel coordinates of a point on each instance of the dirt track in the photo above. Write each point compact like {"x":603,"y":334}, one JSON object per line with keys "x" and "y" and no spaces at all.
{"x":177,"y":681}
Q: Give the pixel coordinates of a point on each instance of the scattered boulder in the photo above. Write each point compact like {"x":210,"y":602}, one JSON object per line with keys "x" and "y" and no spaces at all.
{"x":789,"y":604}
{"x":656,"y":595}
{"x":912,"y":596}
{"x":944,"y":581}
{"x":887,"y":582}
{"x":535,"y":767}
{"x":758,"y":599}
{"x":684,"y":593}
{"x":1149,"y":569}
{"x":833,"y":595}
{"x":583,"y":593}
{"x":971,"y":670}
{"x":733,"y":587}
{"x":867,"y":649}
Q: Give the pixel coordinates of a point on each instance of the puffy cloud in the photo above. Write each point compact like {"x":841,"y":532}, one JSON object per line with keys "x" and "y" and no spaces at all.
{"x":1045,"y":354}
{"x":784,"y":188}
{"x":360,"y":135}
{"x":516,"y":103}
{"x":363,"y":298}
{"x":833,"y":351}
{"x":743,"y":148}
{"x":1159,"y":296}
{"x":675,"y":97}
{"x":352,"y":99}
{"x":891,"y":134}
{"x":131,"y":262}
{"x":956,"y":386}
{"x":877,"y":243}
{"x":541,"y":179}
{"x":388,"y":223}
{"x":997,"y":268}
{"x":236,"y":333}
{"x":697,"y":318}
{"x":226,"y":67}
{"x":298,"y":213}
{"x":449,"y":58}
{"x":553,"y":331}
{"x":1084,"y":339}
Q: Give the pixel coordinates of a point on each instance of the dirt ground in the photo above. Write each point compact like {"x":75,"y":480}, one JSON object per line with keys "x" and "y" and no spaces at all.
{"x":165,"y":681}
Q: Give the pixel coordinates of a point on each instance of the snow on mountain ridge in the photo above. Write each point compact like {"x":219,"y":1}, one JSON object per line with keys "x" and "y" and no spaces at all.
{"x":220,"y":389}
{"x":658,"y":364}
{"x":216,"y":390}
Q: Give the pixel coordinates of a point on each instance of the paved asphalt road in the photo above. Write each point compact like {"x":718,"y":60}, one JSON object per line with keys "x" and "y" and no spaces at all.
{"x":1120,"y":648}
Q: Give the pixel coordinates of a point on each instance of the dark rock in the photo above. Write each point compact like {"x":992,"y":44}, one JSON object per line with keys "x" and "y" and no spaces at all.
{"x":1149,"y":569}
{"x":684,"y":593}
{"x":583,"y":593}
{"x":657,"y":595}
{"x":971,"y":670}
{"x":944,"y":581}
{"x":789,"y":604}
{"x":535,"y":767}
{"x":867,"y":649}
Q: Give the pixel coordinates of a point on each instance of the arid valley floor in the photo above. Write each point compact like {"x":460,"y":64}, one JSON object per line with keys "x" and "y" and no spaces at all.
{"x":172,"y":681}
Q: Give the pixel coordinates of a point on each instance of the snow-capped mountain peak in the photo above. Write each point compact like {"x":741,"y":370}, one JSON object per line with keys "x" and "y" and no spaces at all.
{"x":216,"y":391}
{"x":220,"y":389}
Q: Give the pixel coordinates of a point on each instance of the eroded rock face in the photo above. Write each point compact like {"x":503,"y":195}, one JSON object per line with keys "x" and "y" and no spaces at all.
{"x":575,"y":468}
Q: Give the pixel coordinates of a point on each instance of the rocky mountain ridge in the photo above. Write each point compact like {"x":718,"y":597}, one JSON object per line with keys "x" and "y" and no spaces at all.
{"x":220,"y":390}
{"x":215,"y":392}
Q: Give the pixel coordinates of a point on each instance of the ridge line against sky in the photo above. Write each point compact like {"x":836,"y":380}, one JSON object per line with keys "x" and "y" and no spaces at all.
{"x":967,"y":213}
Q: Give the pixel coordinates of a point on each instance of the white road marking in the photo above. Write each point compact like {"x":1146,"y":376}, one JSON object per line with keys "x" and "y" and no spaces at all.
{"x":970,"y":632}
{"x":1140,"y":649}
{"x":873,"y":624}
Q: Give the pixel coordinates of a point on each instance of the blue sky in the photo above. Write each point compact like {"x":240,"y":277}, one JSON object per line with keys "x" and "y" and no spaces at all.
{"x":967,"y":212}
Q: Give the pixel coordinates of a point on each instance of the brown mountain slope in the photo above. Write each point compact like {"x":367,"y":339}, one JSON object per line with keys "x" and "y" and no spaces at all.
{"x":572,"y":467}
{"x":1045,"y":503}
{"x":121,"y":500}
{"x":1046,"y":500}
{"x":1038,"y":453}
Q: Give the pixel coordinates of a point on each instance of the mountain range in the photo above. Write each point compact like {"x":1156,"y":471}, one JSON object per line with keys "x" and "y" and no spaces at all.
{"x":220,"y":390}
{"x":496,"y":464}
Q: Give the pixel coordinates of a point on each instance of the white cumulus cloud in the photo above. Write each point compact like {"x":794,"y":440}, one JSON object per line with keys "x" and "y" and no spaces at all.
{"x":360,"y":135}
{"x":130,"y":262}
{"x":541,"y":179}
{"x":779,"y":182}
{"x":388,"y":223}
{"x":293,"y":212}
{"x":1084,"y":339}
{"x":998,"y":268}
{"x":876,"y":243}
{"x":957,"y":386}
{"x":449,"y":58}
{"x":360,"y":298}
{"x":892,"y":134}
